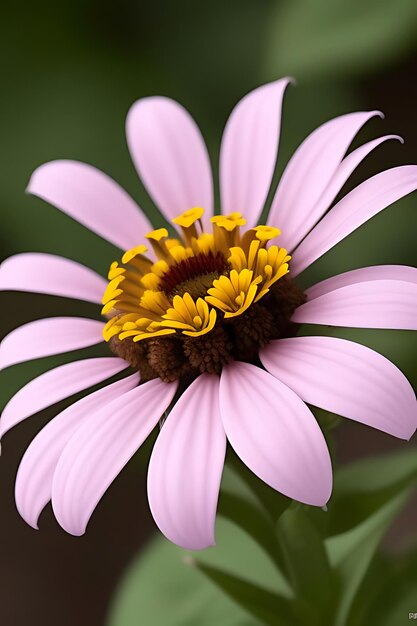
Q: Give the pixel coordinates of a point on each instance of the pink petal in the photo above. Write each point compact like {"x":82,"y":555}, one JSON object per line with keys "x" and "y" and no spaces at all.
{"x":249,"y":150}
{"x":365,"y":201}
{"x":363,"y":274}
{"x":345,"y":169}
{"x":57,"y":384}
{"x":50,"y":274}
{"x":310,"y":171}
{"x":170,"y":155}
{"x":34,"y":477}
{"x":372,"y":304}
{"x":93,"y":199}
{"x":186,"y":467}
{"x":345,"y":378}
{"x":101,"y":447}
{"x":49,"y":336}
{"x":275,"y":434}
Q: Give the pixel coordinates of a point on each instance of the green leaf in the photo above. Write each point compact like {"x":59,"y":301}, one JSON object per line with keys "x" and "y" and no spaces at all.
{"x":395,"y":596}
{"x":388,"y":592}
{"x":350,"y":553}
{"x":364,"y":486}
{"x":269,"y":607}
{"x":159,"y":589}
{"x":316,"y":38}
{"x":253,"y":520}
{"x":273,"y":502}
{"x":307,"y":563}
{"x":240,"y":503}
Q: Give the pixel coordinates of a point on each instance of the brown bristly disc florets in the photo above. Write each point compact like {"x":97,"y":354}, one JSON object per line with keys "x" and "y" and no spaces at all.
{"x":180,"y":357}
{"x":209,"y":298}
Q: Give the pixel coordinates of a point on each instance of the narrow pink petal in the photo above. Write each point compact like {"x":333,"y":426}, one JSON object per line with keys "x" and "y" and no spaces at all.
{"x":93,"y":199}
{"x":249,"y":150}
{"x":275,"y":434}
{"x":345,"y":169}
{"x":372,"y":304}
{"x":358,"y":206}
{"x":170,"y":156}
{"x":310,"y":171}
{"x":186,"y":467}
{"x":364,"y":274}
{"x":57,"y":384}
{"x":49,"y":336}
{"x":33,"y":488}
{"x":101,"y":447}
{"x":345,"y":378}
{"x":50,"y":274}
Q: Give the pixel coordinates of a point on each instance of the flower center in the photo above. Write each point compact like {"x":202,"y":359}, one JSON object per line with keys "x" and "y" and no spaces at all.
{"x":207,"y":299}
{"x":194,"y":275}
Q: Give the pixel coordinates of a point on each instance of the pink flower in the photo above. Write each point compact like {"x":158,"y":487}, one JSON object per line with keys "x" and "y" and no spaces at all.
{"x":208,"y":319}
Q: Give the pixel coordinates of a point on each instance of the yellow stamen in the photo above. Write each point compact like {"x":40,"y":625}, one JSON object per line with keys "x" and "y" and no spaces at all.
{"x":140,"y":309}
{"x":226,"y":230}
{"x":203,"y":244}
{"x":235,"y":293}
{"x":136,"y":257}
{"x":155,"y":302}
{"x":115,"y":270}
{"x":179,"y":253}
{"x":229,"y":222}
{"x":187,"y":221}
{"x":266,"y":233}
{"x":156,"y":333}
{"x":158,"y":243}
{"x":193,"y":318}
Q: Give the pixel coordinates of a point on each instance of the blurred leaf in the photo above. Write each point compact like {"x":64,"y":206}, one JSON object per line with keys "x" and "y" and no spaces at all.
{"x":253,"y":520}
{"x":389,"y":593}
{"x":160,"y":590}
{"x":315,"y":38}
{"x":274,"y":502}
{"x":307,"y":563}
{"x":350,"y":553}
{"x":268,"y":607}
{"x":364,"y":486}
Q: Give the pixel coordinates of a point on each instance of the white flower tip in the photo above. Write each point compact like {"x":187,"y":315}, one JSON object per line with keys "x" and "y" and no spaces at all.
{"x":324,"y":508}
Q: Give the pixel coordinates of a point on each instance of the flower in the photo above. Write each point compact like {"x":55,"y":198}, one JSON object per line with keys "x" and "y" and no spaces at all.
{"x":207,"y":317}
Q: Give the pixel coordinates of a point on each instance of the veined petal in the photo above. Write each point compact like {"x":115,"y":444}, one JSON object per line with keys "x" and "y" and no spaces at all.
{"x":101,"y":447}
{"x":49,"y":336}
{"x":345,"y":378}
{"x":368,"y":304}
{"x":249,"y":150}
{"x":33,"y":488}
{"x":275,"y":434}
{"x":93,"y":199}
{"x":358,"y":206}
{"x":170,"y":156}
{"x":403,"y":273}
{"x":50,"y":274}
{"x":186,"y":467}
{"x":57,"y":384}
{"x":309,"y":172}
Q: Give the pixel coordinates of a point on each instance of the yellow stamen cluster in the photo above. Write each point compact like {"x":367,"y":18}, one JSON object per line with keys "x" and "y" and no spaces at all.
{"x":139,"y":305}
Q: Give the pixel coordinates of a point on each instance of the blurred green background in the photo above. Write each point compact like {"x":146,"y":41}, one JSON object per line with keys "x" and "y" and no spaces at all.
{"x":69,"y":72}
